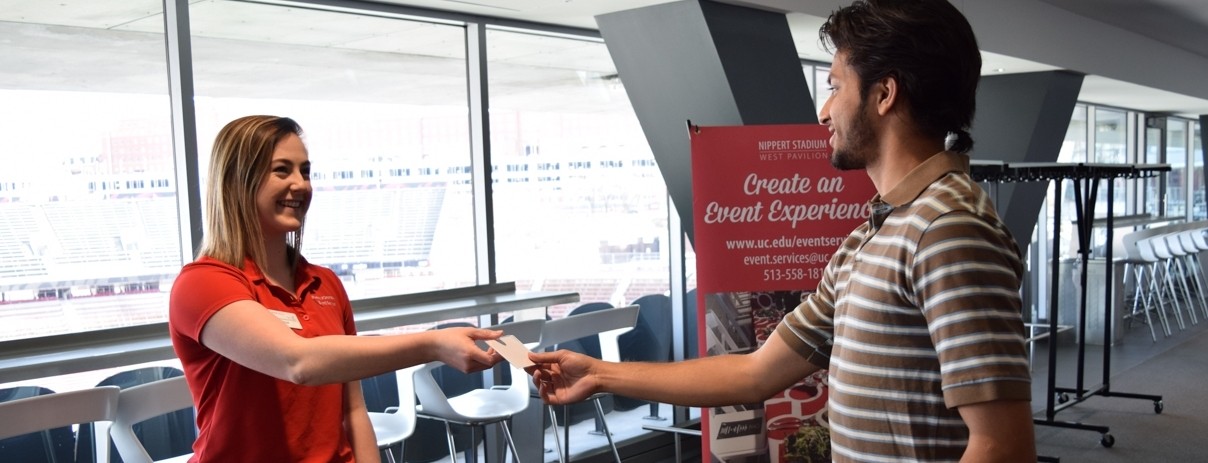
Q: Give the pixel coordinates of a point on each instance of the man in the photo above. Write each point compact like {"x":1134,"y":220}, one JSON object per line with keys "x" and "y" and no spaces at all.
{"x":917,"y":317}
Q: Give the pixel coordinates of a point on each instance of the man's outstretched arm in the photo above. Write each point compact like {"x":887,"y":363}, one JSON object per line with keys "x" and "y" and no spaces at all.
{"x":567,"y":377}
{"x":1000,"y":430}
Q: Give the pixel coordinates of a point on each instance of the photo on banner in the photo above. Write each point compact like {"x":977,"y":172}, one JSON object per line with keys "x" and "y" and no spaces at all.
{"x":768,"y":210}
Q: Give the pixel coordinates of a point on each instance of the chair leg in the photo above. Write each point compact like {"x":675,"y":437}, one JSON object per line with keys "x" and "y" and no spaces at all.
{"x":1191,"y":261}
{"x":1182,"y":278}
{"x":507,"y":434}
{"x":1154,"y":291}
{"x":654,"y":412}
{"x":1139,"y":300}
{"x":553,"y":420}
{"x":1174,"y":298}
{"x":472,"y":449}
{"x":607,"y":434}
{"x":566,"y":429}
{"x":452,"y":448}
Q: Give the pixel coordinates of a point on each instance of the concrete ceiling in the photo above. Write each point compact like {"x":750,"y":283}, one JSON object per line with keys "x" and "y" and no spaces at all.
{"x":41,"y":46}
{"x":1178,"y":24}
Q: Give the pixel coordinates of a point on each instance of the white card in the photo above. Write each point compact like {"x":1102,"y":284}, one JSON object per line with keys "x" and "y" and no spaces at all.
{"x":512,"y":350}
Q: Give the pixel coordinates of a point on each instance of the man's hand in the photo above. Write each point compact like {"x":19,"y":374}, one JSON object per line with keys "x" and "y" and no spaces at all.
{"x":564,"y":377}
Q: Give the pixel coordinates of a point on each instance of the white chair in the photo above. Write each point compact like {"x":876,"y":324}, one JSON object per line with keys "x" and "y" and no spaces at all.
{"x":1191,"y":264}
{"x":1157,"y":245}
{"x":44,"y":412}
{"x":1176,"y":262}
{"x":1137,"y":266}
{"x":140,"y":403}
{"x":393,"y":426}
{"x":607,"y":324}
{"x":1175,"y":281}
{"x":480,"y":407}
{"x":1157,"y":288}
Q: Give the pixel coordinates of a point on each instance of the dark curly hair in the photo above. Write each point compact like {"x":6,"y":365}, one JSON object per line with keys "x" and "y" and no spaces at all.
{"x":927,"y":46}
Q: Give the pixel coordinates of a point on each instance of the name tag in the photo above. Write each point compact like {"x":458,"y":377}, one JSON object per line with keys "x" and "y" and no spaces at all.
{"x":290,"y":319}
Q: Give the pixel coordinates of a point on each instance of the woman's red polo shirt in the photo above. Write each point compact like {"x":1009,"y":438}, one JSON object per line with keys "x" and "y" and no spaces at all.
{"x":244,"y":415}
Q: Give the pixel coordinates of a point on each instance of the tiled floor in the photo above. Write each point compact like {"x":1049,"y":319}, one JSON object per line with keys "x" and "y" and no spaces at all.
{"x":584,"y":440}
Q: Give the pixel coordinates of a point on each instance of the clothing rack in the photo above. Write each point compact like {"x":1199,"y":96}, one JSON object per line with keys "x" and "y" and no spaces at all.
{"x":1085,"y":178}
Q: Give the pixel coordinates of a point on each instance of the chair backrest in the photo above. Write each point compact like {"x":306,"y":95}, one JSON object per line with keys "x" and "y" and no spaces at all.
{"x":606,"y":324}
{"x":1187,"y":238}
{"x":163,"y":436}
{"x":1159,"y":247}
{"x":1200,"y":236}
{"x":56,"y":410}
{"x":140,"y":403}
{"x":1174,"y":244}
{"x":381,"y":391}
{"x":650,"y":339}
{"x":589,"y":346}
{"x":1145,"y":249}
{"x":35,"y":423}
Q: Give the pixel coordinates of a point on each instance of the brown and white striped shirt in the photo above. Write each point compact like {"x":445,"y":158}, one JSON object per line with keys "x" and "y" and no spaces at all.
{"x":923,"y":311}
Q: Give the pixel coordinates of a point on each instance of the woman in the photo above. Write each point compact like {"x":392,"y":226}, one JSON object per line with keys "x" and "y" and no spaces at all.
{"x":266,"y":339}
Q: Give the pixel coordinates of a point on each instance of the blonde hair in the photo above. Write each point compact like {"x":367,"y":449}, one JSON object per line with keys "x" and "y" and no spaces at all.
{"x":242,"y":155}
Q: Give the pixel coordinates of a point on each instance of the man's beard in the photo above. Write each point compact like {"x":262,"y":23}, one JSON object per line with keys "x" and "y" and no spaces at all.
{"x":857,"y":149}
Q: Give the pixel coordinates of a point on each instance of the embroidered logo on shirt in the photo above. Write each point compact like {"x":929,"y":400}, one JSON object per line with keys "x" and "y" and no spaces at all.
{"x":325,"y":300}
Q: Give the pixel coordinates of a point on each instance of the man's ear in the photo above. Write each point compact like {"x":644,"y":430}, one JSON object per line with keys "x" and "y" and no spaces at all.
{"x":885,"y":94}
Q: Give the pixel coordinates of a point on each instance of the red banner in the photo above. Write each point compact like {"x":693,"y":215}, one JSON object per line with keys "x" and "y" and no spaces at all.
{"x":769,"y":211}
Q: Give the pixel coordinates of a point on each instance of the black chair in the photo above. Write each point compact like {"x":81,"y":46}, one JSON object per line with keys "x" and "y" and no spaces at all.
{"x":163,"y":436}
{"x":453,"y":383}
{"x":50,"y":446}
{"x":691,"y":338}
{"x":649,"y":341}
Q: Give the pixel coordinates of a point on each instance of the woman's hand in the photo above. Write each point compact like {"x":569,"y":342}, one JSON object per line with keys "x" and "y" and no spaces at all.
{"x":456,"y":347}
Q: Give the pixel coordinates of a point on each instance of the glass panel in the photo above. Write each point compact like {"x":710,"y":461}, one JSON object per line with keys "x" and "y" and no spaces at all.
{"x":1110,"y":141}
{"x":1198,"y":210}
{"x":384,"y":108}
{"x":579,"y":201}
{"x":89,"y":236}
{"x":1152,"y":196}
{"x":1176,"y":156}
{"x":1073,"y":149}
{"x":1111,"y":147}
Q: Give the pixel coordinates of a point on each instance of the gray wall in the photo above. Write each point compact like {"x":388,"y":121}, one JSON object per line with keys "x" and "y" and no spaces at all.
{"x":1204,"y":140}
{"x":1023,"y":118}
{"x":1038,"y":31}
{"x":708,"y":63}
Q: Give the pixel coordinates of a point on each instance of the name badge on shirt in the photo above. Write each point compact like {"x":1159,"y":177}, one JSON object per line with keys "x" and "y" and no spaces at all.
{"x":290,"y":319}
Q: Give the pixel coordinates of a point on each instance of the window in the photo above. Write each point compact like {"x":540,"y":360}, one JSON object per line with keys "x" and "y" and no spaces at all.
{"x":1198,"y":210}
{"x":598,"y":230}
{"x":372,"y":94}
{"x":85,"y":120}
{"x":1073,"y":149}
{"x":1176,"y":156}
{"x":1111,"y":147}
